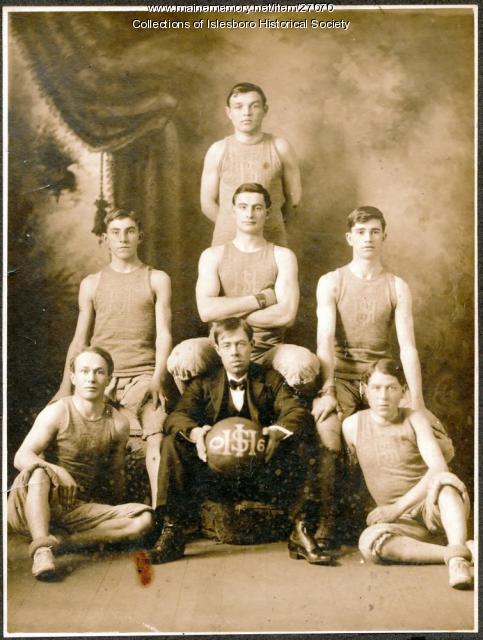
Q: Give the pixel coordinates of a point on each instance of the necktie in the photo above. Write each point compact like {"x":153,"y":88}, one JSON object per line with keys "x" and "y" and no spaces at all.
{"x":238,"y":384}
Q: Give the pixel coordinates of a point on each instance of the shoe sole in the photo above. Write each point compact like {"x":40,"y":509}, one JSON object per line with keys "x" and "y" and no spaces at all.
{"x":155,"y":557}
{"x":295,"y":555}
{"x":462,"y":586}
{"x":48,"y":574}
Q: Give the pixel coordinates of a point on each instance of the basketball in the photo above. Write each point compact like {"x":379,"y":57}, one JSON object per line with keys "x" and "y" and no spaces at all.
{"x":235,"y":446}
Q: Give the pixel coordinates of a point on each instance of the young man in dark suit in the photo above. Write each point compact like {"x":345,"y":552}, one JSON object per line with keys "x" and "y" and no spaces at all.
{"x":237,"y":388}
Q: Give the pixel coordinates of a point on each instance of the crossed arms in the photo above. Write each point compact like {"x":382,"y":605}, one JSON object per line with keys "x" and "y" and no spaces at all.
{"x":282,"y":301}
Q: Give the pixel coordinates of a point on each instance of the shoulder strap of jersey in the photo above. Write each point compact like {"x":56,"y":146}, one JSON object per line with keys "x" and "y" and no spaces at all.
{"x":337,"y":281}
{"x":392,"y":289}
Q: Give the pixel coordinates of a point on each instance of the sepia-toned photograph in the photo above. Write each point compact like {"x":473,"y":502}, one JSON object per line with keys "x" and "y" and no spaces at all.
{"x":239,"y":319}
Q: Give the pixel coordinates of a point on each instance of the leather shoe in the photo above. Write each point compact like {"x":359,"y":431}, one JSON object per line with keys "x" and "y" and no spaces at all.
{"x":170,"y":544}
{"x":324,"y":535}
{"x":301,"y":544}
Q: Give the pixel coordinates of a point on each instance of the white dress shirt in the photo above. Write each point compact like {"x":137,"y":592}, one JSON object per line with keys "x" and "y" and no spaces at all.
{"x":238,"y":397}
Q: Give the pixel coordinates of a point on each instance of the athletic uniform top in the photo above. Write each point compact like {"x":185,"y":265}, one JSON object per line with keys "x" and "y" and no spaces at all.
{"x":389,"y":456}
{"x":245,"y":273}
{"x":241,"y":163}
{"x":125,"y":322}
{"x":83,"y":447}
{"x":365,"y":316}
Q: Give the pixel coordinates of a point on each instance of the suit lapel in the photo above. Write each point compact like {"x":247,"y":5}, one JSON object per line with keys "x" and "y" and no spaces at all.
{"x":216,"y":392}
{"x":255,"y":389}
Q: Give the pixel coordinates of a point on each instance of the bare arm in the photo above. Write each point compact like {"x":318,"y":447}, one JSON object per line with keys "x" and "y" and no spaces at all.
{"x":161,"y":285}
{"x":212,"y":306}
{"x":326,"y":402}
{"x":43,"y":431}
{"x":83,"y":330}
{"x":30,"y":453}
{"x":283,"y":312}
{"x":326,"y":320}
{"x":407,"y":343}
{"x":349,"y":431}
{"x":292,"y":185}
{"x":210,"y":180}
{"x":432,"y":456}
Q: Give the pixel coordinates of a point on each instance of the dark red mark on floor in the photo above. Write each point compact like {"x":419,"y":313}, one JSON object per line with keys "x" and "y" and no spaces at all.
{"x":143,"y":566}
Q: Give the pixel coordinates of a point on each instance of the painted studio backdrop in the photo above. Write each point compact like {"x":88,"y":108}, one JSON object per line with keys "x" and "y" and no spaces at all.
{"x":380,"y":114}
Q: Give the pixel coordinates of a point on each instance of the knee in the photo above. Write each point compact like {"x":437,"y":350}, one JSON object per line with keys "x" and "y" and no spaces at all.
{"x":140,"y":525}
{"x":39,"y":478}
{"x":445,"y":484}
{"x":371,"y":543}
{"x":299,"y":366}
{"x":191,"y":358}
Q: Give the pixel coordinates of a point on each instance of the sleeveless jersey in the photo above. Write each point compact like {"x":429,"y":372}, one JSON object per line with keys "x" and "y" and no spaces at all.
{"x":365,"y":316}
{"x":389,"y":457}
{"x":125,"y":322}
{"x":84,"y":448}
{"x":241,"y":163}
{"x":244,"y":273}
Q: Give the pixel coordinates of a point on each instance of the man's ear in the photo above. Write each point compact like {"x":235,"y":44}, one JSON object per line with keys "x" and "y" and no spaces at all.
{"x":217,"y":348}
{"x":265,"y":108}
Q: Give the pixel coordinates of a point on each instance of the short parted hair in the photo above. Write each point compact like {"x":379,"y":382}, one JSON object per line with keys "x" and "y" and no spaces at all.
{"x":105,"y":355}
{"x":388,"y":366}
{"x":253,"y":187}
{"x":229,"y":325}
{"x":119,"y":214}
{"x":246,"y":87}
{"x":363,"y":214}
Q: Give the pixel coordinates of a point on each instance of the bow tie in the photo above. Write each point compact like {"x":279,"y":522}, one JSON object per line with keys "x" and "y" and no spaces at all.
{"x":238,"y":384}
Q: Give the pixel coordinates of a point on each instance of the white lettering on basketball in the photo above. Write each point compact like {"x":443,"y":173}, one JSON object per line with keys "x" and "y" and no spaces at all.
{"x":237,"y":442}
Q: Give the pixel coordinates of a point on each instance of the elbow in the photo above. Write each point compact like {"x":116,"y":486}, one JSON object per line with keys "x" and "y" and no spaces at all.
{"x":204,"y":310}
{"x":17,"y":461}
{"x":206,"y":316}
{"x":287,"y":318}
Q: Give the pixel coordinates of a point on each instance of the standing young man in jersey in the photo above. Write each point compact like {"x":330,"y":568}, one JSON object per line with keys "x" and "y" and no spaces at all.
{"x":126,"y":309}
{"x":249,"y":155}
{"x":357,"y":306}
{"x":252,"y":278}
{"x":71,"y":463}
{"x":406,"y":474}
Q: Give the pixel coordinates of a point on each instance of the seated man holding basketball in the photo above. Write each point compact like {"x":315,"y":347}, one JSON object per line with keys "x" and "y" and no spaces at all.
{"x":273,"y":468}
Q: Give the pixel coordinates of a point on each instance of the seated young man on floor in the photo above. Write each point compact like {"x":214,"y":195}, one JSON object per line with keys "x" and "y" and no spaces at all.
{"x":417,"y":497}
{"x":70,"y":462}
{"x":237,"y":388}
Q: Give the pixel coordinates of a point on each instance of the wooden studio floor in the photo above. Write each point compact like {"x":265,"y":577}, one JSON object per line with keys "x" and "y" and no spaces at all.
{"x":223,"y":588}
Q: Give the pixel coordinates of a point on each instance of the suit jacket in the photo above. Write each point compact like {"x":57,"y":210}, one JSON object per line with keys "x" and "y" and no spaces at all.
{"x":270,"y":401}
